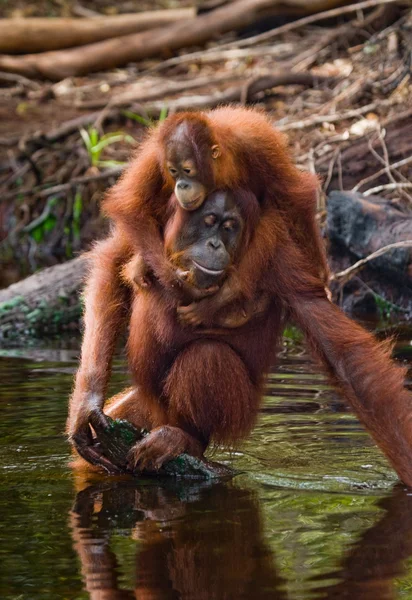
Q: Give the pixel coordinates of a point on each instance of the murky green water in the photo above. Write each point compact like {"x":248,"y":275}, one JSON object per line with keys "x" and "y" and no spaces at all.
{"x":315,"y":515}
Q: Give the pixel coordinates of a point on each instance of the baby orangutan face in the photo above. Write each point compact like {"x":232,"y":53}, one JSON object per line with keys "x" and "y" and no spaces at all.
{"x":191,"y":186}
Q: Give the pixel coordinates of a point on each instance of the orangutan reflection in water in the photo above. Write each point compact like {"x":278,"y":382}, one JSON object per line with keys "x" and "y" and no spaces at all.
{"x":369,"y":569}
{"x":205,"y":542}
{"x":196,"y":542}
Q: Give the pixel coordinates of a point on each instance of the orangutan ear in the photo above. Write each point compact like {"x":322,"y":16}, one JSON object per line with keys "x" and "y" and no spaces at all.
{"x":215,"y":151}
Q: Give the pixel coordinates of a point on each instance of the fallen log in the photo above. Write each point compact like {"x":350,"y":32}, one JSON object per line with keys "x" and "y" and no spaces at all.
{"x":159,"y":41}
{"x":43,"y":34}
{"x":378,"y":19}
{"x":44,"y":304}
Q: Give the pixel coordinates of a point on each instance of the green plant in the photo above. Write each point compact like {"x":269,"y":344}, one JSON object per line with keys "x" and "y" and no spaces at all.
{"x":163,"y":114}
{"x":44,"y":223}
{"x":146,"y":121}
{"x":292,"y":334}
{"x":95,"y":144}
{"x":77,"y":211}
{"x":385,"y":307}
{"x":72,"y":232}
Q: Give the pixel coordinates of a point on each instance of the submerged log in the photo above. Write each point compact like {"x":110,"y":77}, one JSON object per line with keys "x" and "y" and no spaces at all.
{"x":119,"y":436}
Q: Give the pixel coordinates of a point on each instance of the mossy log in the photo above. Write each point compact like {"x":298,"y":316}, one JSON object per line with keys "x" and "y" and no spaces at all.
{"x":44,"y":304}
{"x":120,"y":435}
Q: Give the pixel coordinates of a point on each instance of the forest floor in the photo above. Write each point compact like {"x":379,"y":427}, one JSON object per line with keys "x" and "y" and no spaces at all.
{"x":340,"y":89}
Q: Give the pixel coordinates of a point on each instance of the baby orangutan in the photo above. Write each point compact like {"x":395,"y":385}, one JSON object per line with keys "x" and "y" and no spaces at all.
{"x":202,"y":247}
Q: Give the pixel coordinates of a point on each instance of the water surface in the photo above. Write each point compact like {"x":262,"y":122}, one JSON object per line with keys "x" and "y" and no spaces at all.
{"x":315,"y":514}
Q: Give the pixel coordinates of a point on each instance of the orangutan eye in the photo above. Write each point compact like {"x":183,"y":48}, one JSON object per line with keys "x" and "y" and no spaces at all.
{"x":189,"y":169}
{"x":210,"y":220}
{"x":172,"y":171}
{"x":229,"y":225}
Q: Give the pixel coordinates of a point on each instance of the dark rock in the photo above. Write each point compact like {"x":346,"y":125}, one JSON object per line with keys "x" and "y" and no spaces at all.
{"x":363,"y":225}
{"x":357,"y":226}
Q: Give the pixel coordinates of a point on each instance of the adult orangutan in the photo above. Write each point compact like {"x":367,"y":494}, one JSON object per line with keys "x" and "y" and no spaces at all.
{"x":206,"y":244}
{"x":196,"y":235}
{"x":195,"y":385}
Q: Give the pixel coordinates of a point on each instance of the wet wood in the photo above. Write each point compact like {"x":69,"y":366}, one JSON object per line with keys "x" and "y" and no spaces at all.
{"x":119,"y":436}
